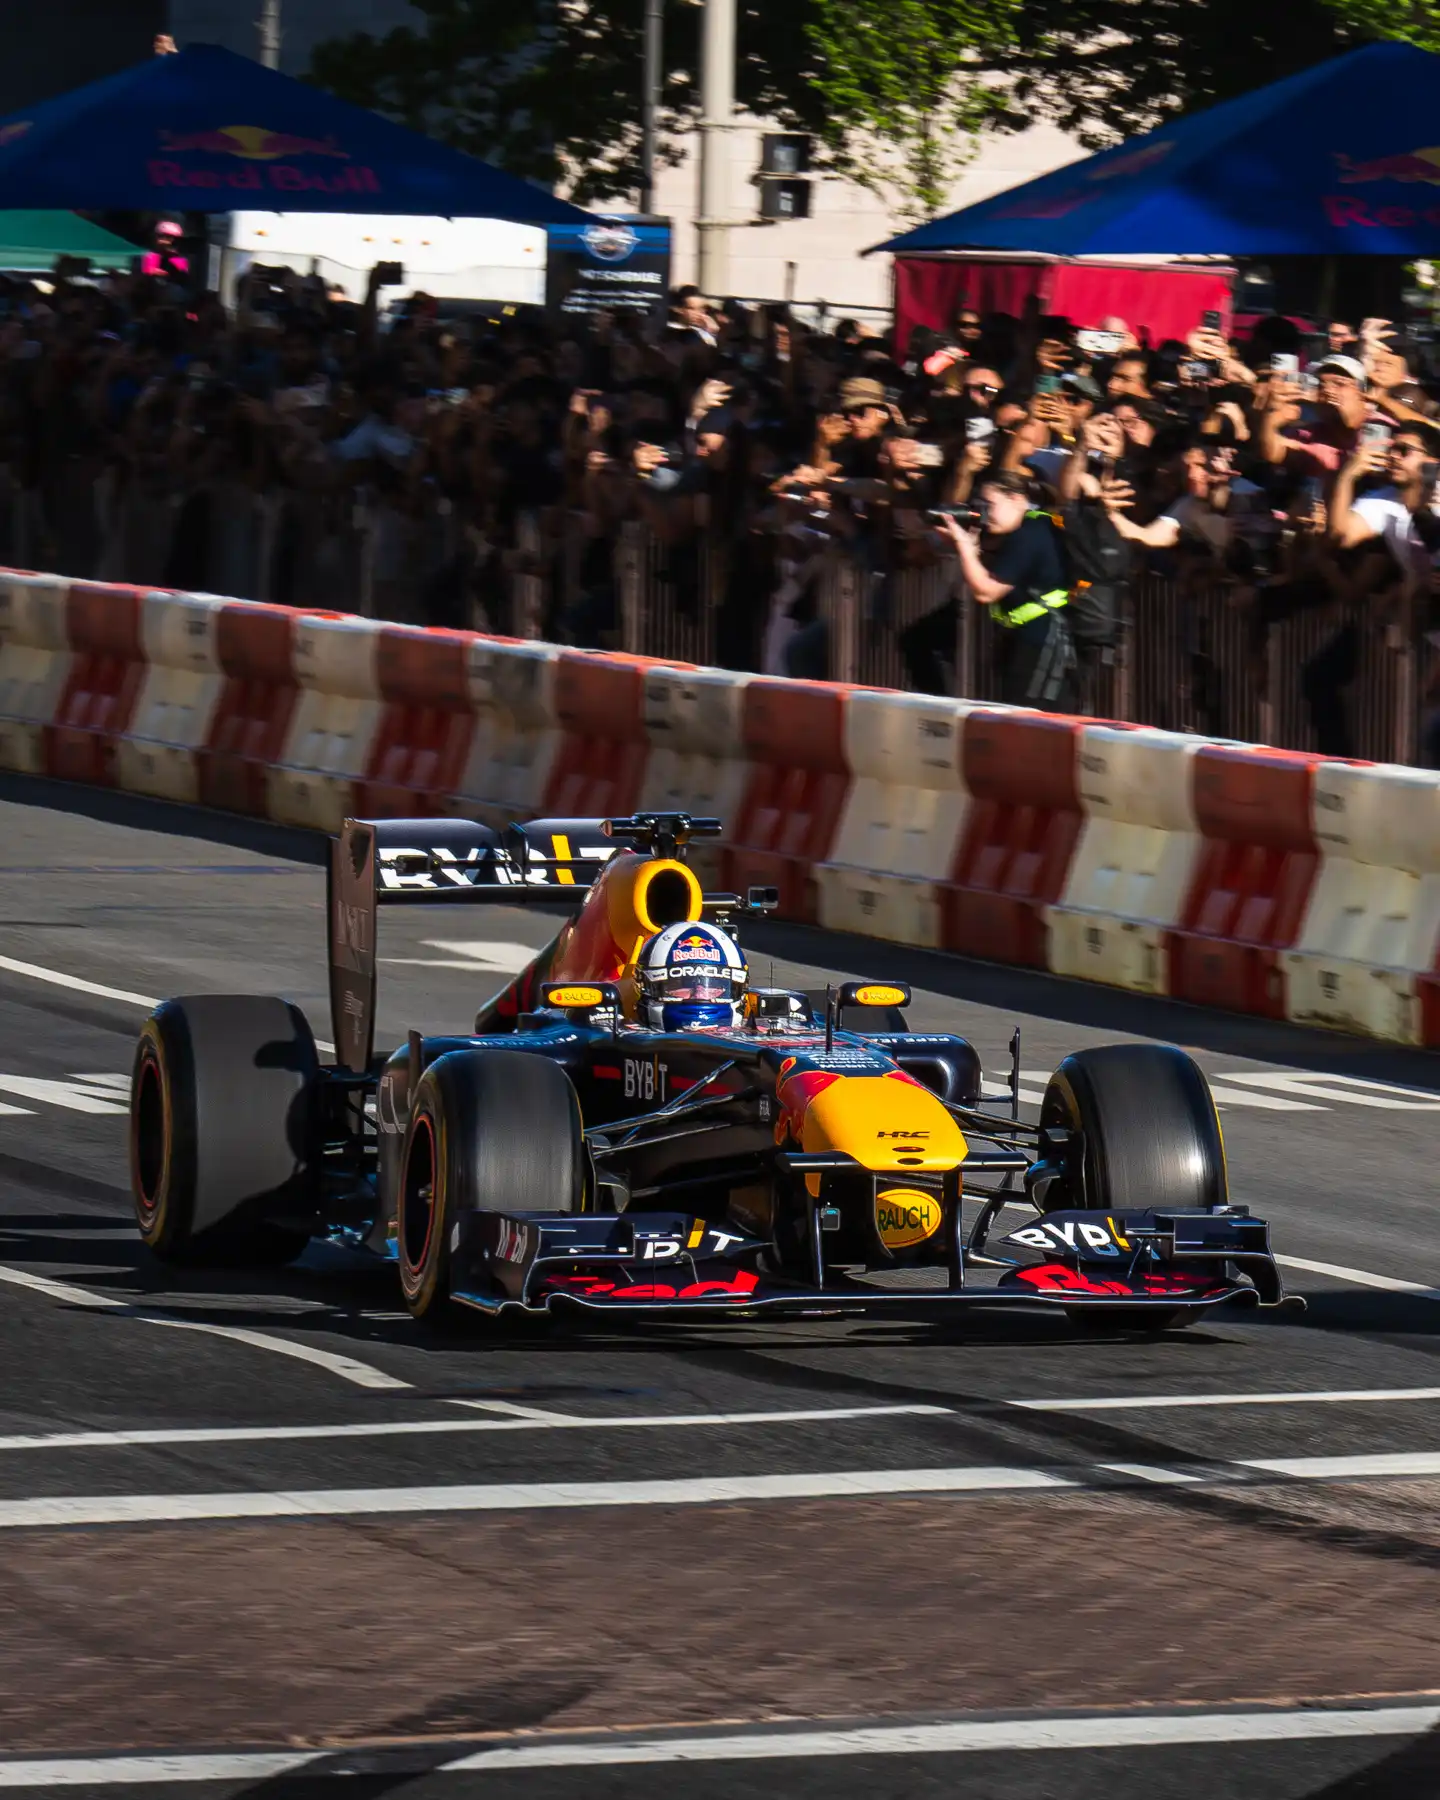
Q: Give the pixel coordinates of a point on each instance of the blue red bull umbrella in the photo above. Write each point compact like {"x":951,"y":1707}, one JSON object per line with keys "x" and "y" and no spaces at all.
{"x":209,"y":131}
{"x":1343,"y":159}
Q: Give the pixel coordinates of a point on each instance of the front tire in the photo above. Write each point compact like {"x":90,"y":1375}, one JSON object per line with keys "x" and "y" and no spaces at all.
{"x":1151,"y":1140}
{"x":223,"y":1130}
{"x":489,"y":1131}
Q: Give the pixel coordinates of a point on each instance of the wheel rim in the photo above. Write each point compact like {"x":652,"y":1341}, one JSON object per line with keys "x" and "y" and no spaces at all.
{"x":417,"y":1199}
{"x":148,"y":1141}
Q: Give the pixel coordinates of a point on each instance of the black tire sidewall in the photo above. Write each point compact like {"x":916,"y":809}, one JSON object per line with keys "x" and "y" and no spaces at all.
{"x":503,"y":1133}
{"x":1152,"y":1137}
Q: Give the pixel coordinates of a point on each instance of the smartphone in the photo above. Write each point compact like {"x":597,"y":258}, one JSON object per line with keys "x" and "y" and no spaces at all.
{"x":1210,"y":321}
{"x":1198,"y":371}
{"x":1100,"y":343}
{"x":389,"y":274}
{"x":1288,"y":366}
{"x":978,"y":429}
{"x":1375,"y":431}
{"x":1047,"y":384}
{"x":929,"y":456}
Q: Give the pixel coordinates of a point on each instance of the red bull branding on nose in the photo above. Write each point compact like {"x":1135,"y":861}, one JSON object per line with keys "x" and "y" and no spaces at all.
{"x":267,"y":159}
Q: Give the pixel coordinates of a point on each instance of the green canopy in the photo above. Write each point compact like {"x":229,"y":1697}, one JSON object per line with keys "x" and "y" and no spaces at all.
{"x":30,"y":242}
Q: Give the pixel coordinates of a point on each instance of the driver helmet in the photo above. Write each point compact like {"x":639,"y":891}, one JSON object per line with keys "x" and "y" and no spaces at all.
{"x":690,"y":974}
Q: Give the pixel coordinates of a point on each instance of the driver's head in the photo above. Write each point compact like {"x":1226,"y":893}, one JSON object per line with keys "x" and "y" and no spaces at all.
{"x":690,"y":975}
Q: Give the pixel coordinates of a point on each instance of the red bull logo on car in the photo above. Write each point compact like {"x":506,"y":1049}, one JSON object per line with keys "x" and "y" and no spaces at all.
{"x":16,"y":129}
{"x":267,"y":159}
{"x":1408,"y":165}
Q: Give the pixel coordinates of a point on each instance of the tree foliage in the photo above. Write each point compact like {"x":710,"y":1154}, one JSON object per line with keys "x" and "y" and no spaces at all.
{"x":908,"y":76}
{"x":892,"y":90}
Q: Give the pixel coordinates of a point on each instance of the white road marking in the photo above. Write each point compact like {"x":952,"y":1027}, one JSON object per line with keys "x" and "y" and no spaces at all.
{"x":1106,"y":1732}
{"x":1151,"y":1473}
{"x":996,"y":1089}
{"x":71,"y":1094}
{"x":517,"y":1496}
{"x":358,"y":1373}
{"x":485,"y":956}
{"x":268,"y":1434}
{"x":1351,"y":1090}
{"x":119,"y":1083}
{"x":8,"y":1111}
{"x":131,"y":1771}
{"x":539,"y":1496}
{"x":58,"y":978}
{"x":1226,"y":1096}
{"x":1390,"y":1284}
{"x":1147,"y":1402}
{"x":1348,"y":1468}
{"x":1100,"y":1731}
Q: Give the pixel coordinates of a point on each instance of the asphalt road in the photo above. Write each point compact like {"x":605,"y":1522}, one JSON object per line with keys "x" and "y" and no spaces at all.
{"x":266,"y":1516}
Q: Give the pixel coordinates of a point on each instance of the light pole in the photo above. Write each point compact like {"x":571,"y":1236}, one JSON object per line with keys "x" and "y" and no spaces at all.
{"x":650,"y":100}
{"x":717,"y":121}
{"x":269,"y":28}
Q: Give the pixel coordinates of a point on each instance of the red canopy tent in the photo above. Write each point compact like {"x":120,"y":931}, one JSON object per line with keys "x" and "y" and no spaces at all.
{"x":1164,"y":299}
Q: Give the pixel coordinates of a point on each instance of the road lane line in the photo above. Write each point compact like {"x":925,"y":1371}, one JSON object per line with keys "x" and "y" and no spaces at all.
{"x":1104,"y":1732}
{"x":69,"y":1094}
{"x":358,"y":1373}
{"x":518,"y":1496}
{"x":541,"y":1496}
{"x":142,"y":1436}
{"x":1035,"y":1731}
{"x":1145,"y":1402}
{"x":130,"y":1771}
{"x":1389,"y":1284}
{"x":1348,"y":1468}
{"x":59,"y":978}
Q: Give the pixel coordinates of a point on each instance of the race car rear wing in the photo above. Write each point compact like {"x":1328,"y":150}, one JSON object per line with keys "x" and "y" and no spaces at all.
{"x":380,"y":862}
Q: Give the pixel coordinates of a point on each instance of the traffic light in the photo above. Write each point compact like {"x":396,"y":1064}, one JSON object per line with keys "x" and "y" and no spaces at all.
{"x":784,"y":175}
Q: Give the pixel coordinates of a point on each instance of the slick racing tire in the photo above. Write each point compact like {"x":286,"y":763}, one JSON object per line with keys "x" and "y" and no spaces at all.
{"x":1151,"y":1139}
{"x":490,"y":1131}
{"x":224,"y":1140}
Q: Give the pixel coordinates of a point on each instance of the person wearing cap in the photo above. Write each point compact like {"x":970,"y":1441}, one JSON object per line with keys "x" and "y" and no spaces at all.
{"x":1014,"y":565}
{"x":1321,"y":448}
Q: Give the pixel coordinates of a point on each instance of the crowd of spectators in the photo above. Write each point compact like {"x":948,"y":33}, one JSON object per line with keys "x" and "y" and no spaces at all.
{"x":310,"y":447}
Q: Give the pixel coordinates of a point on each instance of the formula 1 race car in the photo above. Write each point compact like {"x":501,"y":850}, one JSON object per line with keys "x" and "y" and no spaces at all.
{"x":634,"y":1127}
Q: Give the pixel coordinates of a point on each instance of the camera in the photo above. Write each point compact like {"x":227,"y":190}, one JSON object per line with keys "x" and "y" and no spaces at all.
{"x":969,"y":516}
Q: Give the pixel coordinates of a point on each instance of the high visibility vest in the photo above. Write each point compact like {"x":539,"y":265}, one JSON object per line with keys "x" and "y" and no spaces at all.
{"x":1008,"y":617}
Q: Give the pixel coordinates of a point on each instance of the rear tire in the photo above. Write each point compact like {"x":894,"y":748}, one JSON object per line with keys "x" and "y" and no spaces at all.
{"x":223,"y":1130}
{"x":490,"y":1131}
{"x":1151,"y":1140}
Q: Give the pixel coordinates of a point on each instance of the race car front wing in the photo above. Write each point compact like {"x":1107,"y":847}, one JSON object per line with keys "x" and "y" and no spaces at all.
{"x":675,"y":1262}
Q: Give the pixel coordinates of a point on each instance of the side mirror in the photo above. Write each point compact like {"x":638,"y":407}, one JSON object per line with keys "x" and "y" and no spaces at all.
{"x":580,"y":996}
{"x":873,"y":993}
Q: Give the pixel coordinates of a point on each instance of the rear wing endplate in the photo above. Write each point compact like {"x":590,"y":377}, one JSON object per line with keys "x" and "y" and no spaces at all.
{"x":377,"y":862}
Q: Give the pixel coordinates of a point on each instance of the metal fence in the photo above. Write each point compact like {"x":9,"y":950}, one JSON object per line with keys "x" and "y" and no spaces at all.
{"x":1345,"y":678}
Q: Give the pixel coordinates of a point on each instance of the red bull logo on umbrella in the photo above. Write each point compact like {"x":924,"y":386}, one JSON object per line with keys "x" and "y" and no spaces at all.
{"x":267,"y":159}
{"x":252,"y":142}
{"x":1405,"y":165}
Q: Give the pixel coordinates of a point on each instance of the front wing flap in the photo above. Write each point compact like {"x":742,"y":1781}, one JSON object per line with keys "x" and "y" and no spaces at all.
{"x":672,"y":1262}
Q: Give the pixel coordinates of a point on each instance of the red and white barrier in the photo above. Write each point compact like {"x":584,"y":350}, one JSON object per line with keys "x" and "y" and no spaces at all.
{"x":1134,"y":860}
{"x":34,"y":665}
{"x":1373,"y":920}
{"x":903,"y":819}
{"x":1237,"y":876}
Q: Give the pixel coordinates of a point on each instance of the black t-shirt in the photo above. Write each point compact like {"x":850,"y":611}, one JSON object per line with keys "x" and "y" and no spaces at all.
{"x":1027,"y":559}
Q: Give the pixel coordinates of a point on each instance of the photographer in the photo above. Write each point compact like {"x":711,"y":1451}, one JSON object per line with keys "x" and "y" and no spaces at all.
{"x":1012,"y":562}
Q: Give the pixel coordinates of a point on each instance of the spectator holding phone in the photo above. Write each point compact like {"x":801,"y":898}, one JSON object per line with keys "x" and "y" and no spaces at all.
{"x":1387,"y":491}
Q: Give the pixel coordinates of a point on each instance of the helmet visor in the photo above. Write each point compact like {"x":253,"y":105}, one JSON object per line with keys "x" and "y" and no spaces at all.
{"x":697,"y":985}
